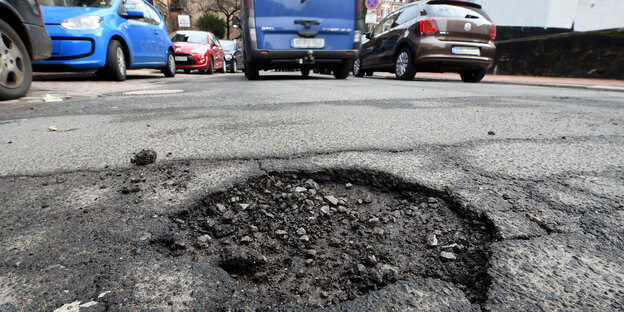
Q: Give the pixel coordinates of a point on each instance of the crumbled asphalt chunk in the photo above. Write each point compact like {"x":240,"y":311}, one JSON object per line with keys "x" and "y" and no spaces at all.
{"x":144,"y":157}
{"x":294,"y":248}
{"x":491,"y":133}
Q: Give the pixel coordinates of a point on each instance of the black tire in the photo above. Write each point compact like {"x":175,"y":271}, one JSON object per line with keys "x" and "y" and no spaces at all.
{"x":16,"y":68}
{"x":201,"y":71}
{"x":404,"y":68}
{"x":472,"y":76}
{"x":369,"y":73}
{"x":234,"y":68}
{"x":170,"y":69}
{"x":252,"y":72}
{"x":342,"y":71}
{"x":210,"y":69}
{"x":357,"y":69}
{"x":187,"y":71}
{"x":223,"y":69}
{"x":115,"y":67}
{"x":305,"y":72}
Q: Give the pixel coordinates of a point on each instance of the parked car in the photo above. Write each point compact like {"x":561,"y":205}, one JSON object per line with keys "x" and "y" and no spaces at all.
{"x":199,"y":50}
{"x":233,"y":54}
{"x":23,"y":39}
{"x":431,"y":36}
{"x":108,"y":36}
{"x":321,"y":35}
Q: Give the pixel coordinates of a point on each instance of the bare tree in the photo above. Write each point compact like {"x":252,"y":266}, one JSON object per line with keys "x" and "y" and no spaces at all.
{"x":226,"y":8}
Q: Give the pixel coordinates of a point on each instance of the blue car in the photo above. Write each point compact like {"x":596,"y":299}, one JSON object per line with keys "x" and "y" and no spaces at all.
{"x":320,"y":35}
{"x":108,"y":36}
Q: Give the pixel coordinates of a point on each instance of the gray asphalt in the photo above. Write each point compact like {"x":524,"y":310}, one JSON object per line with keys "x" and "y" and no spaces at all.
{"x":544,"y":165}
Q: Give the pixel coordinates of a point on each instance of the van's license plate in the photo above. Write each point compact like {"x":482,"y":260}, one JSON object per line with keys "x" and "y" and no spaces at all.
{"x":466,"y":50}
{"x":308,"y":43}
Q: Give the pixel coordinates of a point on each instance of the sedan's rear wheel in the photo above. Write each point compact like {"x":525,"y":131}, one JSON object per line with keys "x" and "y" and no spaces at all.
{"x":234,"y":68}
{"x":115,"y":61}
{"x":403,"y":65}
{"x":357,"y":69}
{"x":474,"y":75}
{"x":15,"y":66}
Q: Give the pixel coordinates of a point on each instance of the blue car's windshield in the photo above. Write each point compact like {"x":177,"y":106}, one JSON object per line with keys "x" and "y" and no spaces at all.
{"x":77,"y":3}
{"x":190,"y":36}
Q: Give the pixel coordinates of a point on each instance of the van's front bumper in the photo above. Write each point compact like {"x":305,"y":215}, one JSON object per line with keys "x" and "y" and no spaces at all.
{"x":303,"y":57}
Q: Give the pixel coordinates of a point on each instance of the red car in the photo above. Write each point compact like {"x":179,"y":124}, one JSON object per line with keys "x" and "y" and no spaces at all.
{"x":198,"y":50}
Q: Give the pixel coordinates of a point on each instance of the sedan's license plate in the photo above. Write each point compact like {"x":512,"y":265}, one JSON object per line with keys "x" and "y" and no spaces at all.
{"x":466,"y":50}
{"x":308,"y":43}
{"x":180,"y":58}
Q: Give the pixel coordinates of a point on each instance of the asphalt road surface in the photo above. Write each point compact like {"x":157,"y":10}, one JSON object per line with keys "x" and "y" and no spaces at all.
{"x":538,"y":171}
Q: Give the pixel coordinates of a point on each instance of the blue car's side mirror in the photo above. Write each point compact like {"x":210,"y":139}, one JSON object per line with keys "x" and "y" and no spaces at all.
{"x":132,"y":14}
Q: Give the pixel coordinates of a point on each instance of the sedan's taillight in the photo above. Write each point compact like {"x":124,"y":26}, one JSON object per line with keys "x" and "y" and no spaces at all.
{"x":428,"y":27}
{"x":493,"y":33}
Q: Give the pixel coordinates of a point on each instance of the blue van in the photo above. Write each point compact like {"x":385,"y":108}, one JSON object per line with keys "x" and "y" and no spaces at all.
{"x":322,"y":35}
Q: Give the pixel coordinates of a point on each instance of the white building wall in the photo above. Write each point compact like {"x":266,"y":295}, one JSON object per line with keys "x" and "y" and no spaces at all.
{"x":583,"y":14}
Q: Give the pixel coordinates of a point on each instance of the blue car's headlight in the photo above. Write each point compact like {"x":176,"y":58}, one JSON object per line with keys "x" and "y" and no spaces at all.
{"x":82,"y":22}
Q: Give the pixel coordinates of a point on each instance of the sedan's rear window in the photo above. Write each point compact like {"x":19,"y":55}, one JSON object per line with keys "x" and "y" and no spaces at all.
{"x":77,"y":3}
{"x":445,"y":10}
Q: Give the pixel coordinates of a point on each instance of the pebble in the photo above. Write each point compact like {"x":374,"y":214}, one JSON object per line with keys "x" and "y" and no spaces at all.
{"x":304,"y":238}
{"x":332,"y":200}
{"x":432,"y":240}
{"x":301,"y":231}
{"x":221,"y":208}
{"x":448,"y":255}
{"x":348,"y":185}
{"x":309,"y":262}
{"x":432,"y":200}
{"x":242,"y":207}
{"x":342,"y":209}
{"x":246,"y":239}
{"x":281,"y":232}
{"x":311,"y":253}
{"x":361,"y":268}
{"x":300,"y":189}
{"x":325,"y":210}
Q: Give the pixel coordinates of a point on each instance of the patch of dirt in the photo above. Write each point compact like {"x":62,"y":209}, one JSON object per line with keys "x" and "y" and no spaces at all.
{"x":325,"y":238}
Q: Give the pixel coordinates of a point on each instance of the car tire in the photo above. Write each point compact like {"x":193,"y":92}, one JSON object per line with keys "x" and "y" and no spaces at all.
{"x":357,"y":69}
{"x":210,"y":69}
{"x":16,"y":69}
{"x":342,"y":71}
{"x":369,"y":73}
{"x":115,"y":67}
{"x":187,"y":71}
{"x":234,"y":68}
{"x":252,"y":72}
{"x":305,"y":72}
{"x":404,"y":68}
{"x":472,"y":76}
{"x":223,"y":69}
{"x":170,"y":69}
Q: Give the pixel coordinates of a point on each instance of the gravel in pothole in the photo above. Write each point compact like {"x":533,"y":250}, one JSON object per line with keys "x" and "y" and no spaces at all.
{"x":321,"y":239}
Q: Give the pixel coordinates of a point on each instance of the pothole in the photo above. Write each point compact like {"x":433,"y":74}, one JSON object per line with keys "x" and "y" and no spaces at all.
{"x":325,"y":238}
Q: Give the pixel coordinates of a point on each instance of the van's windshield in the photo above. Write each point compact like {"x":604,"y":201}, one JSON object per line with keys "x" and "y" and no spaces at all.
{"x":77,"y":3}
{"x":317,"y":8}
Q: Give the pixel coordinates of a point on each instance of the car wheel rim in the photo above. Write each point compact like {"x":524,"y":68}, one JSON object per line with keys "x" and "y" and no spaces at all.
{"x":356,"y":66}
{"x":234,"y":67}
{"x":12,"y":67}
{"x":121,"y":60}
{"x":401,"y":63}
{"x":171,"y":63}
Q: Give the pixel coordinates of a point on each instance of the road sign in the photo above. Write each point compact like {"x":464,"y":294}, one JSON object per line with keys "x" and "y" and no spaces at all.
{"x":184,"y":21}
{"x":371,"y":18}
{"x":372,"y":4}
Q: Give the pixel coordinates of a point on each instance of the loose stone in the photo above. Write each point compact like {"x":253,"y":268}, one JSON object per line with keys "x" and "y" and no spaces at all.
{"x":448,"y":255}
{"x":432,"y":240}
{"x":332,"y":200}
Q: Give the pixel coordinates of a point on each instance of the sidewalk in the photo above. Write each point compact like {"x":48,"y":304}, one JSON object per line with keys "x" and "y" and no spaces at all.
{"x":595,"y":84}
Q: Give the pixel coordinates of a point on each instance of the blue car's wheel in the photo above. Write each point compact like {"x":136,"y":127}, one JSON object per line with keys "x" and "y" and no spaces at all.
{"x":170,"y":68}
{"x":115,"y":67}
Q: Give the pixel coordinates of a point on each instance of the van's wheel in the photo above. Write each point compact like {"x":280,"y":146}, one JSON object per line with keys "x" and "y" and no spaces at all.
{"x":474,"y":75}
{"x":210,"y":69}
{"x":252,"y":72}
{"x":234,"y":69}
{"x":357,"y":69}
{"x":15,"y":66}
{"x":342,"y":71}
{"x":170,"y":68}
{"x":404,"y":68}
{"x":115,"y":67}
{"x":305,"y":72}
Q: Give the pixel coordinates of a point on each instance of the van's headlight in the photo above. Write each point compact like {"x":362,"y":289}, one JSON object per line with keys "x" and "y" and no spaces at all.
{"x":82,"y":22}
{"x":200,"y":50}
